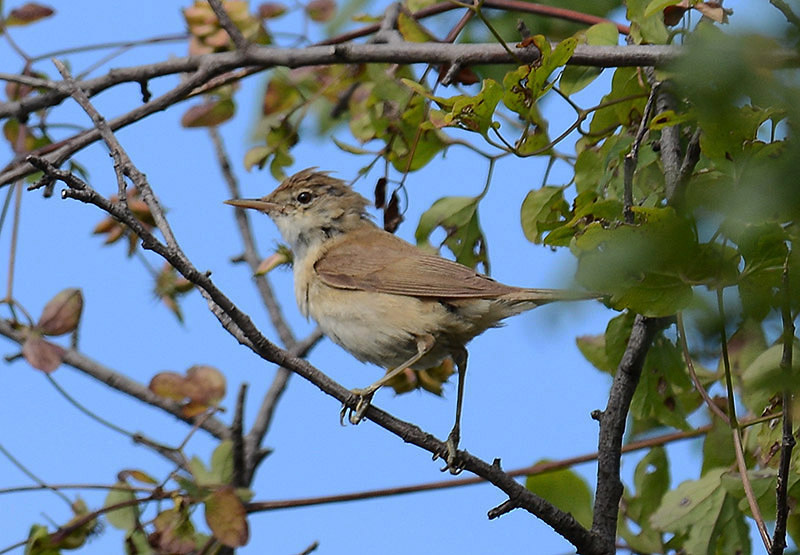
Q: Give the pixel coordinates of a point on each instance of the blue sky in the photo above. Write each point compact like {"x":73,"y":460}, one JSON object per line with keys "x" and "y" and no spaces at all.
{"x":529,"y":391}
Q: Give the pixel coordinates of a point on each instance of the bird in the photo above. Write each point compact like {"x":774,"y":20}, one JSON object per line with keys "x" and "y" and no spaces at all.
{"x":382,"y":299}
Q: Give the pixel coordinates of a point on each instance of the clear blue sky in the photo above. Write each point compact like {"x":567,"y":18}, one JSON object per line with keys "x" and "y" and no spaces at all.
{"x":529,"y":391}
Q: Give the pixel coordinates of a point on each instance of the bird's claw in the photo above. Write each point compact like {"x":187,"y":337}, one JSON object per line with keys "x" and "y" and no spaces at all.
{"x":356,"y":415}
{"x":453,"y":462}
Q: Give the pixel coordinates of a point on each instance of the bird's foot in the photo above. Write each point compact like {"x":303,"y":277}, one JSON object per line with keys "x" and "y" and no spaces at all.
{"x":453,"y":464}
{"x":356,"y":415}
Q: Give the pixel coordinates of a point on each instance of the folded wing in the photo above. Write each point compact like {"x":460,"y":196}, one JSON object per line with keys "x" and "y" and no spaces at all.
{"x":374,"y":260}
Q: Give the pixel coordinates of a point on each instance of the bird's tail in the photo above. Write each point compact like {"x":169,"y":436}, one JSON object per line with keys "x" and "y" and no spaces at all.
{"x":538,"y":297}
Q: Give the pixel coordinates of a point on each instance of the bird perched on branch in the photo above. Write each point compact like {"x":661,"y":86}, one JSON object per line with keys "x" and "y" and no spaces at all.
{"x":382,"y":299}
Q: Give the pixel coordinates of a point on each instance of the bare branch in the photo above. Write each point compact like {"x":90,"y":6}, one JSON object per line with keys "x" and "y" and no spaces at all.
{"x":563,"y":523}
{"x":632,"y":158}
{"x":229,"y":26}
{"x":402,"y":53}
{"x":788,"y":441}
{"x":122,"y":161}
{"x":239,"y":459}
{"x":612,"y":428}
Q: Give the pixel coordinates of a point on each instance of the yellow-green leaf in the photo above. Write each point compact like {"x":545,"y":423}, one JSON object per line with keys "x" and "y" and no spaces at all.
{"x":227,"y":518}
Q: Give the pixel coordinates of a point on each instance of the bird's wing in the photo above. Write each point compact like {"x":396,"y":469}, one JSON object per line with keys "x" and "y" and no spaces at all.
{"x":372,"y":260}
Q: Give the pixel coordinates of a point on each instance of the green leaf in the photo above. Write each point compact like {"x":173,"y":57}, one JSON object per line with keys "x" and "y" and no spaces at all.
{"x":665,"y":395}
{"x":136,"y":543}
{"x":350,"y":148}
{"x":647,"y":25}
{"x":256,"y":156}
{"x":624,"y":105}
{"x":576,"y":78}
{"x":222,"y":462}
{"x":651,"y":482}
{"x":415,"y":141}
{"x":763,"y":247}
{"x":764,"y":481}
{"x":764,"y":377}
{"x":718,"y":450}
{"x":704,"y":515}
{"x":668,"y":118}
{"x":593,"y":348}
{"x":642,"y":265}
{"x":411,"y":30}
{"x":202,"y":476}
{"x":458,"y":216}
{"x":566,"y":490}
{"x":618,"y":331}
{"x":657,"y":6}
{"x":227,"y":518}
{"x":475,"y":113}
{"x":125,"y":518}
{"x":542,"y":210}
{"x":39,"y":542}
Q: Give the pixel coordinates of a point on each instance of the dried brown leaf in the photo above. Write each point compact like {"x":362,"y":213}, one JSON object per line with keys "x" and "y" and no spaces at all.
{"x":28,"y":13}
{"x":62,"y":314}
{"x":170,"y":385}
{"x":321,"y":10}
{"x":392,"y":216}
{"x":41,"y":354}
{"x":206,"y":384}
{"x":269,"y":10}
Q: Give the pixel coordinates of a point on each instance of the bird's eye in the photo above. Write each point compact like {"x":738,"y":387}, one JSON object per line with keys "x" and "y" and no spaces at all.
{"x":304,"y":197}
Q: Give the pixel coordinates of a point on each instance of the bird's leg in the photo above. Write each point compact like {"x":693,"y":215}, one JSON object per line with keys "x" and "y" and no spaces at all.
{"x":424,"y":345}
{"x":460,"y":358}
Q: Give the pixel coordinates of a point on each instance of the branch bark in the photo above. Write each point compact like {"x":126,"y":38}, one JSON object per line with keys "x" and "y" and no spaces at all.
{"x":612,"y":428}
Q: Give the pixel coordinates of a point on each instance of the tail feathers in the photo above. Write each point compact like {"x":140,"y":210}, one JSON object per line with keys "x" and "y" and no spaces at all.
{"x":538,"y":297}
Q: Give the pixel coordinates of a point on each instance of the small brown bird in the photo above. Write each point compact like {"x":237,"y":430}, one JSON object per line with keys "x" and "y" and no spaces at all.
{"x":382,"y":299}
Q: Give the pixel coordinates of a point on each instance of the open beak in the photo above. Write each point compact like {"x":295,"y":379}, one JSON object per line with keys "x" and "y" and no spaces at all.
{"x":254,"y":203}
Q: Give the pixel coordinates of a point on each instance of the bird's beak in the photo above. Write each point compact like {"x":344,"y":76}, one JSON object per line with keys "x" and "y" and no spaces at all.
{"x":254,"y":203}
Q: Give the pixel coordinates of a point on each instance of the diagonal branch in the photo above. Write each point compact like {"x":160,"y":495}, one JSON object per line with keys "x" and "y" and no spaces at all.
{"x":255,"y":437}
{"x":239,"y":324}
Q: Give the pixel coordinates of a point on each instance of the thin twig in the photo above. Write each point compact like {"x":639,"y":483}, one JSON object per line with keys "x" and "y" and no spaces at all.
{"x":736,"y":432}
{"x":632,"y":158}
{"x":712,"y":406}
{"x":230,"y":27}
{"x":787,"y":12}
{"x":788,"y":440}
{"x":534,"y":470}
{"x":177,"y":37}
{"x":123,"y":164}
{"x":33,"y":476}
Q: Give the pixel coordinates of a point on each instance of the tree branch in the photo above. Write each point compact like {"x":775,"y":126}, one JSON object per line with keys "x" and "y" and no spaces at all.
{"x":788,"y":441}
{"x":401,"y":53}
{"x":230,"y":27}
{"x":612,"y":428}
{"x":255,"y":437}
{"x":237,"y":321}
